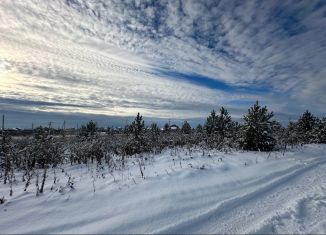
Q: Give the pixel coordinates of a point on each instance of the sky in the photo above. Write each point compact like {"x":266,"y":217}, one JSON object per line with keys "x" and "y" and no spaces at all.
{"x":107,"y":60}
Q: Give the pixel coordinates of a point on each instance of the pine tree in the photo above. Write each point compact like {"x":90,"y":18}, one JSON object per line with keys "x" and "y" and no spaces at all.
{"x":223,"y":123}
{"x":199,"y":128}
{"x":322,"y":131}
{"x":91,"y":127}
{"x":292,"y":136}
{"x":307,"y":121}
{"x":210,"y":124}
{"x":166,"y":127}
{"x":137,"y":126}
{"x":306,"y":128}
{"x":186,"y":128}
{"x":257,"y":130}
{"x":278,"y":133}
{"x":218,"y":124}
{"x":234,"y":134}
{"x":218,"y":128}
{"x":89,"y":130}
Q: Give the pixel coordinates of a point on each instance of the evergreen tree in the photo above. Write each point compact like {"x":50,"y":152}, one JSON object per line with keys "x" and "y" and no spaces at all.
{"x":278,"y":133}
{"x":234,"y":134}
{"x":223,"y":123}
{"x":210,"y":124}
{"x":307,"y":121}
{"x":137,"y":126}
{"x":306,"y":128}
{"x":89,"y":130}
{"x":219,"y":128}
{"x":257,"y":130}
{"x":218,"y":124}
{"x":186,"y":128}
{"x":292,"y":137}
{"x":322,"y":131}
{"x":199,"y":128}
{"x":91,"y":127}
{"x":166,"y":127}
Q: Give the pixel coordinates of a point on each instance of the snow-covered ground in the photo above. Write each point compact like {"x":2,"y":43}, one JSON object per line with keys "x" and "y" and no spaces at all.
{"x":182,"y":193}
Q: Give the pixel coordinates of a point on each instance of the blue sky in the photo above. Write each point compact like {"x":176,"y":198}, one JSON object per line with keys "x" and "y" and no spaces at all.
{"x":76,"y":59}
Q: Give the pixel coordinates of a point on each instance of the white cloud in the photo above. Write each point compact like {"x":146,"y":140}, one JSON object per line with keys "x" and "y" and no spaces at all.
{"x":102,"y":54}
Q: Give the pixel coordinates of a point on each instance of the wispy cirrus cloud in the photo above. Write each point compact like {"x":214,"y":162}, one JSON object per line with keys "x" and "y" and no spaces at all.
{"x":175,"y":59}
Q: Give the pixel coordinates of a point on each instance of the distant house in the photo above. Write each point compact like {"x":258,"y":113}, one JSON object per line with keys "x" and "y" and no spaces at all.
{"x":174,"y":127}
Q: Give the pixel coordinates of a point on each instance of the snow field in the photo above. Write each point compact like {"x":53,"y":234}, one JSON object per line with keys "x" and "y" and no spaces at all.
{"x":181,"y":192}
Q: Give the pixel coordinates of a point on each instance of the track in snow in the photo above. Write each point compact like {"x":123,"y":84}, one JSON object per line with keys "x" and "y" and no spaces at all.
{"x":260,"y":205}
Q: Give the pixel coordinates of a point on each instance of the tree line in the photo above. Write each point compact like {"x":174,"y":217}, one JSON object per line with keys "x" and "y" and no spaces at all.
{"x":259,"y":131}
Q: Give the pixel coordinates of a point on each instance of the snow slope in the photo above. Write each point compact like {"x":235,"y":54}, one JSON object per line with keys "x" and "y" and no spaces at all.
{"x":182,"y":192}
